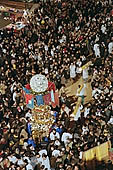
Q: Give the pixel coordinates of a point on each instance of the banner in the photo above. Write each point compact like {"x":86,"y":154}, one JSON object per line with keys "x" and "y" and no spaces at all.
{"x":56,"y":103}
{"x":31,"y":103}
{"x":27,"y":86}
{"x":28,"y":97}
{"x":52,"y":96}
{"x":47,"y":98}
{"x":25,"y":91}
{"x":39,"y":100}
{"x":51,"y":86}
{"x":99,"y":152}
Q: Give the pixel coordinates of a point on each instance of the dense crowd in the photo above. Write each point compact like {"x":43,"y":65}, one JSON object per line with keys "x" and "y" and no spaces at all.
{"x":56,"y":41}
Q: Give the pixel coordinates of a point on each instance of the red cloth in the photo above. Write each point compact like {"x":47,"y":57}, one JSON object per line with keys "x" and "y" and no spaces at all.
{"x":28,"y":97}
{"x":47,"y":98}
{"x":64,"y":50}
{"x":51,"y":86}
{"x":27,"y":86}
{"x":56,"y":103}
{"x":80,"y":38}
{"x":112,"y":12}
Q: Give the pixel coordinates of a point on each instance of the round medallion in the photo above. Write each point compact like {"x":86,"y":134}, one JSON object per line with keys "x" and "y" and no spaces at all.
{"x":39,"y":83}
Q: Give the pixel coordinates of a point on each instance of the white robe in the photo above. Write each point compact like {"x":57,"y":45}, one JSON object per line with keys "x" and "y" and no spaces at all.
{"x":53,"y":136}
{"x":65,"y":137}
{"x":45,"y":162}
{"x":96,"y":50}
{"x":110,"y":47}
{"x":85,"y":73}
{"x":103,"y":29}
{"x":78,"y":114}
{"x":82,"y":92}
{"x":72,"y":71}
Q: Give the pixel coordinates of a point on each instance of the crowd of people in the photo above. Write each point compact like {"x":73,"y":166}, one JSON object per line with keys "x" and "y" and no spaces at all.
{"x":59,"y":38}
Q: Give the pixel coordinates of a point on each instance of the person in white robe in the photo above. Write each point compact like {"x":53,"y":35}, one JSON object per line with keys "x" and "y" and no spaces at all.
{"x":85,"y":74}
{"x":78,"y":114}
{"x":65,"y":137}
{"x":110,"y":47}
{"x":72,"y":71}
{"x":56,"y":153}
{"x":44,"y":159}
{"x":111,"y":120}
{"x":12,"y":159}
{"x":46,"y":162}
{"x":103,"y":28}
{"x":96,"y":50}
{"x":81,"y":92}
{"x":54,"y":135}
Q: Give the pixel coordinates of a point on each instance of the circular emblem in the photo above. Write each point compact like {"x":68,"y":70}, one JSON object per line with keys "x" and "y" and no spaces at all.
{"x":39,"y":83}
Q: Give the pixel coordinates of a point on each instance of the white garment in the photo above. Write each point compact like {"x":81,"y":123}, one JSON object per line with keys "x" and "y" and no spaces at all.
{"x":54,"y":136}
{"x":46,"y":163}
{"x":56,"y":153}
{"x":20,"y":162}
{"x":110,"y":2}
{"x":95,"y":91}
{"x":26,"y":158}
{"x":77,"y":28}
{"x":29,"y":167}
{"x":103,"y":29}
{"x":4,"y":50}
{"x":65,"y":137}
{"x":46,"y":70}
{"x":42,"y":151}
{"x":25,"y":14}
{"x":14,"y":96}
{"x":96,"y":50}
{"x":12,"y":87}
{"x":80,"y":155}
{"x":52,"y":52}
{"x":39,"y":160}
{"x":111,"y":121}
{"x":12,"y":159}
{"x":60,"y":28}
{"x":57,"y":143}
{"x":82,"y":92}
{"x":78,"y":114}
{"x":67,"y":110}
{"x":46,"y":48}
{"x":29,"y":115}
{"x":110,"y":47}
{"x":97,"y":38}
{"x":85,"y":73}
{"x":84,"y":129}
{"x":72,"y":71}
{"x":86,"y":112}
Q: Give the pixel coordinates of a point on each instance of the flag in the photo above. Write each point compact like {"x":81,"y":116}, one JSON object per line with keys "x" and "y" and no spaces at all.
{"x":26,"y":91}
{"x":47,"y":98}
{"x":31,"y":104}
{"x":28,"y":97}
{"x":51,"y":86}
{"x":52,"y":96}
{"x":27,"y":86}
{"x":56,"y":103}
{"x":40,"y":100}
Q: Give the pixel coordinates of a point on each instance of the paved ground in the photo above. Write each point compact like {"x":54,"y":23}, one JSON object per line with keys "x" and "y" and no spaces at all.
{"x":4,"y":23}
{"x":72,"y":89}
{"x":16,"y":4}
